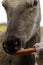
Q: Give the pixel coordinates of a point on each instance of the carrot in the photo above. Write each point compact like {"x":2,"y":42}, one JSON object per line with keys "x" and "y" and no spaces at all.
{"x":25,"y":51}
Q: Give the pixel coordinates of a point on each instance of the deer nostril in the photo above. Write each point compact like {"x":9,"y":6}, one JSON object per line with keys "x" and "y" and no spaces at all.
{"x":11,"y":46}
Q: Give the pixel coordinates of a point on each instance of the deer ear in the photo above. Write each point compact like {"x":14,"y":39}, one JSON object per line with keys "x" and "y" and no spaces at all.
{"x":35,"y":2}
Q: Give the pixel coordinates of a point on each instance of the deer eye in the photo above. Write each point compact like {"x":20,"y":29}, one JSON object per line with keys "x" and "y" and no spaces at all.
{"x":35,"y":2}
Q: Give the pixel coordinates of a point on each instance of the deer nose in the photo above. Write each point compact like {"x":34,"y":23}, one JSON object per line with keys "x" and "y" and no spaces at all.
{"x":11,"y":45}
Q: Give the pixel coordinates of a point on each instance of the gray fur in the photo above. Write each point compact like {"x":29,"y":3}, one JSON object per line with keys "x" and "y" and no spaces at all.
{"x":24,"y":23}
